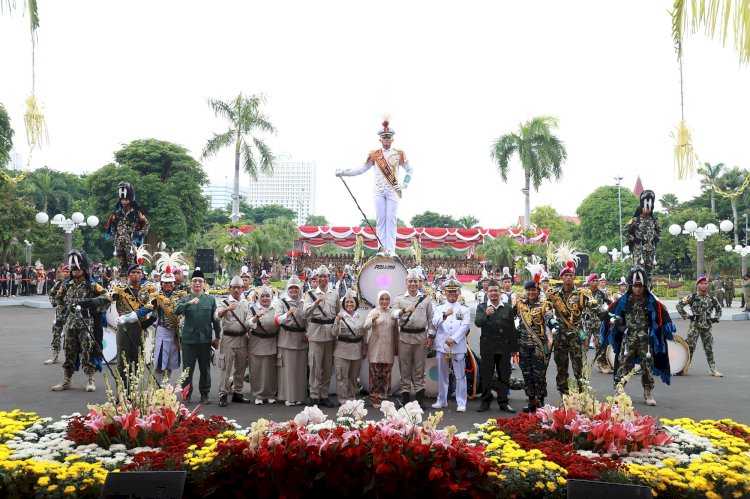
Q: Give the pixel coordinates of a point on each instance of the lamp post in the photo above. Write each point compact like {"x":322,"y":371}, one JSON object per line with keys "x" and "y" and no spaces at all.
{"x":28,"y":251}
{"x":68,"y":225}
{"x":700,"y":234}
{"x":616,"y":254}
{"x":618,"y":182}
{"x":743,"y":251}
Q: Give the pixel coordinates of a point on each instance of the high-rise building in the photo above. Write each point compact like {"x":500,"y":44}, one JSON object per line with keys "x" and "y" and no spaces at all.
{"x":221,"y":194}
{"x":292,"y":185}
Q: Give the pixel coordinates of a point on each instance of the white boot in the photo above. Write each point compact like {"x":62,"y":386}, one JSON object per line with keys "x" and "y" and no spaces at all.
{"x":90,"y":386}
{"x":649,"y":398}
{"x":63,"y":385}
{"x":53,"y":360}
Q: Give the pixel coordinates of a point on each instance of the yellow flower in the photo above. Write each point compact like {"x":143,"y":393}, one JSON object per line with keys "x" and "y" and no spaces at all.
{"x":69,"y":489}
{"x":43,"y":481}
{"x":51,"y":488}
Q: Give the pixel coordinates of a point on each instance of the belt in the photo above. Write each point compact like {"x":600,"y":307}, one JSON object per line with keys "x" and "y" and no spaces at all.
{"x":264,"y":335}
{"x":349,"y":340}
{"x":293,"y":329}
{"x":230,"y":333}
{"x":414,"y":330}
{"x":321,"y":321}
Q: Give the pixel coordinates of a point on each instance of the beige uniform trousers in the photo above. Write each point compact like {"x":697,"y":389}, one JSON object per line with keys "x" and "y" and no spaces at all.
{"x":347,"y":372}
{"x":320,"y":360}
{"x":411,"y":361}
{"x":232,"y":363}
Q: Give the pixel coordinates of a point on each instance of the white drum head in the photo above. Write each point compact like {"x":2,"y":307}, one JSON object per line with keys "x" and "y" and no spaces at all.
{"x":378,"y":273}
{"x":679,"y":355}
{"x":611,"y":359}
{"x":431,"y":377}
{"x":112,"y":315}
{"x":109,"y":345}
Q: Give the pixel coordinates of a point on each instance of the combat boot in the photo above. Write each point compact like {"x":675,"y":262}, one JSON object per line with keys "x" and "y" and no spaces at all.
{"x":53,"y":360}
{"x":405,"y":397}
{"x":90,"y":386}
{"x":531,"y":406}
{"x":648,"y":397}
{"x":713,"y":372}
{"x":63,"y":385}
{"x":420,"y":399}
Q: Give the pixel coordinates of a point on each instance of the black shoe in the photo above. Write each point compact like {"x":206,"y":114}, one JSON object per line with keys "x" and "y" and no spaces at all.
{"x":238,"y":397}
{"x":485,"y":406}
{"x":326,"y":402}
{"x":530,"y":407}
{"x":205,"y":400}
{"x":405,"y":397}
{"x":311,"y":402}
{"x":223,"y":400}
{"x":504,"y":406}
{"x":420,"y":399}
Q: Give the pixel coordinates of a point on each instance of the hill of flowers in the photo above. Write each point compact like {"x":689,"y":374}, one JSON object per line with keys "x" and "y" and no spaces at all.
{"x":530,"y":455}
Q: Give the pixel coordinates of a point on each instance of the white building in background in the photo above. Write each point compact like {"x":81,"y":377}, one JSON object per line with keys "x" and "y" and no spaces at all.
{"x":292,"y":185}
{"x":16,"y":161}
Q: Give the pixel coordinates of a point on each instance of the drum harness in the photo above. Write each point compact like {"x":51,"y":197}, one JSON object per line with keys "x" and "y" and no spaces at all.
{"x":226,"y":303}
{"x":319,"y":321}
{"x":406,"y":320}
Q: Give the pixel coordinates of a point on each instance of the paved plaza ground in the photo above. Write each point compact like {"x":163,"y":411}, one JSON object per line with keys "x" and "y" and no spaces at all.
{"x":25,"y":383}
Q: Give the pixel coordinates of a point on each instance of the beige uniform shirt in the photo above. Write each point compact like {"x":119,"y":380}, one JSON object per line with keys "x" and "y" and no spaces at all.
{"x":382,"y":340}
{"x":421,"y":318}
{"x":289,"y":337}
{"x":260,"y":345}
{"x":320,"y":325}
{"x":345,"y":348}
{"x":234,"y":321}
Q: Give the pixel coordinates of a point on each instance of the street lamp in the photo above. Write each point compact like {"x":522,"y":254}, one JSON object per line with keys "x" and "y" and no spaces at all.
{"x":28,"y":251}
{"x":700,"y":234}
{"x":68,"y":225}
{"x":743,"y":251}
{"x":616,"y":254}
{"x":618,"y":181}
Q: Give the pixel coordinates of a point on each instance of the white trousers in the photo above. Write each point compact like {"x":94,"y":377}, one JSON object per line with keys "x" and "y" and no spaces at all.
{"x":459,"y":370}
{"x":386,"y":205}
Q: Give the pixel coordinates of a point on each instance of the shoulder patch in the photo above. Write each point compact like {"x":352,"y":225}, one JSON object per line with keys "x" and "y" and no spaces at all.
{"x":686,"y":299}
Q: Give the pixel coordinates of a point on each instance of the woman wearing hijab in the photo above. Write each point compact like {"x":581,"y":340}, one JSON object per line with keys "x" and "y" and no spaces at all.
{"x":350,"y":347}
{"x":382,"y":347}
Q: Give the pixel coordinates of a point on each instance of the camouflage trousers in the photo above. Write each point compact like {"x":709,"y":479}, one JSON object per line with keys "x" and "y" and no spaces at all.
{"x":77,"y":350}
{"x":124,"y":257}
{"x":635,"y":346}
{"x":57,"y":332}
{"x":706,"y":338}
{"x":534,"y":368}
{"x":567,"y":345}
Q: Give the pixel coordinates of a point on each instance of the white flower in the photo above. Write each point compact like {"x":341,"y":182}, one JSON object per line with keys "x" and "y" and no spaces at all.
{"x":354,"y":408}
{"x":388,"y":409}
{"x":310,"y":415}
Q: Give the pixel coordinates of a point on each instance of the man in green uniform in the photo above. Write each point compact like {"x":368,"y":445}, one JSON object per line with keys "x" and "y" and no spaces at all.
{"x":701,"y":305}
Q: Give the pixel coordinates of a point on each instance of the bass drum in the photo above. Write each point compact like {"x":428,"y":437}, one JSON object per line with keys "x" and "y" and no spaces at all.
{"x":611,"y":359}
{"x":364,"y":376}
{"x":679,"y":356}
{"x":109,"y":345}
{"x":378,"y":273}
{"x":431,"y":377}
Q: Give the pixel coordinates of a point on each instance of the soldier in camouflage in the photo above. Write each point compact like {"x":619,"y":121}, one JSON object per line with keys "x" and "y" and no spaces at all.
{"x":642,"y":233}
{"x":701,"y":305}
{"x":569,"y":304}
{"x":728,"y":290}
{"x":129,"y":226}
{"x":78,"y":291}
{"x":716,"y":289}
{"x":60,"y":315}
{"x":594,"y":323}
{"x":535,"y":347}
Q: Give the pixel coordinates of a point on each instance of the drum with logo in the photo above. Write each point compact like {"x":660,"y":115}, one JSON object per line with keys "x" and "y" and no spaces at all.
{"x":378,"y":273}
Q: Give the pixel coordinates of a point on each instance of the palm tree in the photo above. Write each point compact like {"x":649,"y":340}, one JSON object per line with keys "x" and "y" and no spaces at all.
{"x":244,"y":117}
{"x":669,"y":202}
{"x":468,"y":221}
{"x":713,"y":18}
{"x":49,"y":190}
{"x":710,"y":174}
{"x":730,"y":183}
{"x":540,"y":152}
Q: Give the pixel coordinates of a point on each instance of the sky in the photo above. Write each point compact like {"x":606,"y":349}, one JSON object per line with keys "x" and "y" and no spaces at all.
{"x":451,"y":76}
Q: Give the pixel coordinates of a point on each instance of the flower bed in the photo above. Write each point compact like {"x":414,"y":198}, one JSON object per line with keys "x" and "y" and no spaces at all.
{"x":524,"y":456}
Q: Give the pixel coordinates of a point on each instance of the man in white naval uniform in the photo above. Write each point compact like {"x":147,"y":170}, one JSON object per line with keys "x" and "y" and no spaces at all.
{"x":387,"y":187}
{"x":451,"y":322}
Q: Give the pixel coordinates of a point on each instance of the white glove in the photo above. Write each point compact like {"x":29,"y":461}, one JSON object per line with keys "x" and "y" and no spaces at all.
{"x":401,"y":187}
{"x":127,"y":318}
{"x":339,"y":173}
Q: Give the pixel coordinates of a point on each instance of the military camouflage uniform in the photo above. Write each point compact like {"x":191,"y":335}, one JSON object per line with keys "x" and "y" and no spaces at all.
{"x":717,"y":290}
{"x":728,"y":291}
{"x":60,"y":316}
{"x":534,"y":349}
{"x":78,"y":341}
{"x":569,"y":307}
{"x":700,"y":323}
{"x":593,"y":323}
{"x":636,"y":343}
{"x":129,"y":225}
{"x":642,"y":234}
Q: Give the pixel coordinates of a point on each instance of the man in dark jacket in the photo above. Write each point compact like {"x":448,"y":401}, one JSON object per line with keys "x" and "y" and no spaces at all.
{"x":496,"y":346}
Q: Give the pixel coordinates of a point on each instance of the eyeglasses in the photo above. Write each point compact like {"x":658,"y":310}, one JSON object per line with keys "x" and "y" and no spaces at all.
{"x":235,"y":287}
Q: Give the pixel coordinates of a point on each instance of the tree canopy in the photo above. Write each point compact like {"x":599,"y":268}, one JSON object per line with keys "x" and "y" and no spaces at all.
{"x":316,"y":220}
{"x":6,"y":137}
{"x":546,"y":217}
{"x":433,"y":219}
{"x":599,"y":217}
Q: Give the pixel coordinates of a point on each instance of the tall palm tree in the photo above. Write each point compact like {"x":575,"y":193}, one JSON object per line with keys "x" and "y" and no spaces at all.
{"x":49,"y":191}
{"x":669,"y":202}
{"x":468,"y":221}
{"x":730,"y":182}
{"x":540,"y":151}
{"x":710,"y":174}
{"x":245,"y":118}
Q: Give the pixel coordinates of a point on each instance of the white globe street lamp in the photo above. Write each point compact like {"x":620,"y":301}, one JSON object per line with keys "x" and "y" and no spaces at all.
{"x":743,"y":251}
{"x":77,"y":219}
{"x":700,"y":234}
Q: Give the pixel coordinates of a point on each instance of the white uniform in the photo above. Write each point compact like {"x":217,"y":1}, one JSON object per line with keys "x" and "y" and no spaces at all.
{"x":386,"y":199}
{"x":455,"y":326}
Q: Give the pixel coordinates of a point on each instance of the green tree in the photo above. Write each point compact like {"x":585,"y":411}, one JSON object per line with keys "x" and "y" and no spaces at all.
{"x":669,"y":202}
{"x":245,"y":118}
{"x":316,"y":220}
{"x":467,"y":222}
{"x":599,"y":215}
{"x":260,"y":214}
{"x":710,"y":174}
{"x":215,"y":216}
{"x":546,"y":217}
{"x":17,"y":215}
{"x":6,"y":137}
{"x":175,"y":206}
{"x":433,"y":219}
{"x":541,"y":154}
{"x":52,"y":191}
{"x":500,"y":252}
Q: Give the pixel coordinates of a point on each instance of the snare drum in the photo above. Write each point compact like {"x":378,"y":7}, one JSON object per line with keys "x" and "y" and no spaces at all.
{"x":378,"y":273}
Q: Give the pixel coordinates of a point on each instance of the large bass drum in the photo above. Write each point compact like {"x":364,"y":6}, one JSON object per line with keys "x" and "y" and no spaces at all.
{"x":378,"y":273}
{"x":679,"y":356}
